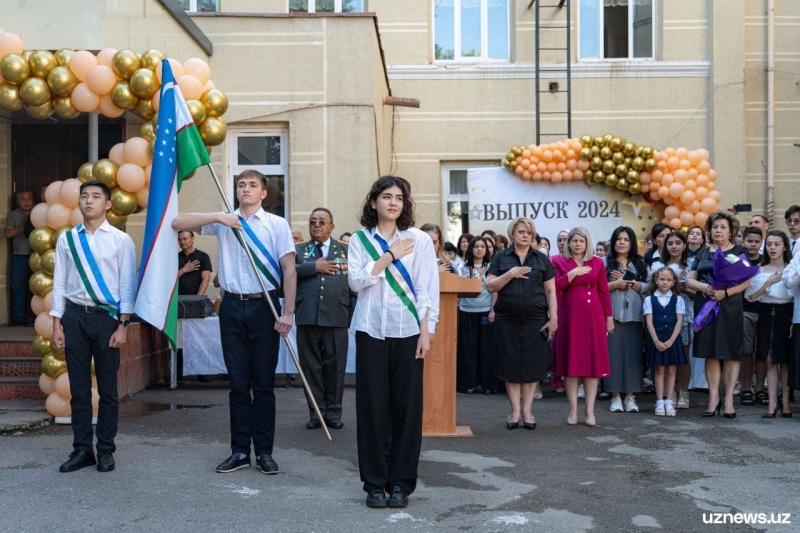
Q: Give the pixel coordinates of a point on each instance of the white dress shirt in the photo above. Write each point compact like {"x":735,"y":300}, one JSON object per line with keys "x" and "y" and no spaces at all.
{"x":325,"y":246}
{"x":791,"y":280}
{"x":235,"y":272}
{"x":116,"y":258}
{"x":777,"y":293}
{"x":663,"y":299}
{"x":379,"y":312}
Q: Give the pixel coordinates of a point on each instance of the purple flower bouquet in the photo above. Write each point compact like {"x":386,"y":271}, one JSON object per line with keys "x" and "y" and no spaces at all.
{"x":728,"y":271}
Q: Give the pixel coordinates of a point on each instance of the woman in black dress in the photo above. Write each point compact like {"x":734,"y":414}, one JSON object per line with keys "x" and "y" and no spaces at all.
{"x":721,"y":344}
{"x":525,"y":318}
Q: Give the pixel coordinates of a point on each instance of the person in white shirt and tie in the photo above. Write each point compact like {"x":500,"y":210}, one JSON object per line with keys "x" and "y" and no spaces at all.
{"x":94,"y":289}
{"x":249,"y":332}
{"x":792,"y":217}
{"x":392,"y":267}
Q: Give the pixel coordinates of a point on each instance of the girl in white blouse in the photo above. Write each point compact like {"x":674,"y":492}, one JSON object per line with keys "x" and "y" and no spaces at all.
{"x":773,"y":344}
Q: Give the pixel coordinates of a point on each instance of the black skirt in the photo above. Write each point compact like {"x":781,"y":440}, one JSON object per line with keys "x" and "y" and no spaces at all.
{"x":774,"y":323}
{"x":725,"y":338}
{"x":474,"y":363}
{"x":520,"y":349}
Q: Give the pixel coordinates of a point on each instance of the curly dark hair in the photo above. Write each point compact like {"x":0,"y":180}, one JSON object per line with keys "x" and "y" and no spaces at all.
{"x":733,"y":223}
{"x":369,"y":215}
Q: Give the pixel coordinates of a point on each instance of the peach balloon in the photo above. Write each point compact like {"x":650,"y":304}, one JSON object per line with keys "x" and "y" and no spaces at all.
{"x":700,"y":218}
{"x":669,"y":200}
{"x":645,"y":188}
{"x":70,"y":193}
{"x":52,"y":193}
{"x":37,"y":304}
{"x":39,"y":215}
{"x":197,"y":68}
{"x":645,"y":178}
{"x":682,"y":153}
{"x":663,"y":192}
{"x":48,"y":302}
{"x":704,"y":154}
{"x":667,"y":179}
{"x":95,"y":401}
{"x":526,"y":175}
{"x":656,"y":176}
{"x":62,"y":386}
{"x":552,"y":167}
{"x":547,"y":156}
{"x":526,"y":154}
{"x":695,"y":157}
{"x":177,"y":69}
{"x":680,"y":176}
{"x":672,"y":163}
{"x":207,"y":86}
{"x":654,"y":195}
{"x":693,"y":208}
{"x":672,"y":212}
{"x":536,"y":176}
{"x":708,"y":205}
{"x":546,"y":175}
{"x":557,"y":155}
{"x":147,"y":171}
{"x":106,"y":56}
{"x":711,"y":186}
{"x":715,"y":195}
{"x":137,"y":151}
{"x":670,"y":152}
{"x":76,"y":217}
{"x":703,"y":167}
{"x":142,"y":196}
{"x":684,"y":164}
{"x":690,"y":185}
{"x":58,"y":216}
{"x":567,"y":175}
{"x":561,"y":167}
{"x":81,"y":63}
{"x":131,"y":177}
{"x":84,"y":98}
{"x":537,"y":152}
{"x":10,"y":43}
{"x":117,"y":154}
{"x":676,"y":190}
{"x":662,"y":166}
{"x":58,"y":406}
{"x":572,"y":165}
{"x":44,"y":325}
{"x":519,"y":170}
{"x":525,"y":164}
{"x":701,"y":193}
{"x":712,"y":175}
{"x":692,"y":173}
{"x":101,"y":79}
{"x":156,"y":101}
{"x":659,"y":156}
{"x":556,"y":177}
{"x":108,"y":108}
{"x":686,"y":218}
{"x":675,"y":223}
{"x":687,"y":197}
{"x":583,"y":166}
{"x":702,"y":180}
{"x":47,"y":384}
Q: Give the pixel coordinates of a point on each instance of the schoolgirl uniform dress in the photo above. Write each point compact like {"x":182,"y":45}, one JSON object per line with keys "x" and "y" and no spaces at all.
{"x":665,"y":309}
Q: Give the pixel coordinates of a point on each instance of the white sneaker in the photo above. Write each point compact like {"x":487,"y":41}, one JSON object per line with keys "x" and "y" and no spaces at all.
{"x":660,"y":408}
{"x":581,"y":391}
{"x":669,"y":408}
{"x":646,"y":383}
{"x":538,"y":395}
{"x":616,"y":405}
{"x":630,"y":405}
{"x":683,"y":400}
{"x":737,"y":391}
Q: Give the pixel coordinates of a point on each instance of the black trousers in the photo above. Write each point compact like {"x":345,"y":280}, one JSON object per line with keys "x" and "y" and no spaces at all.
{"x":88,"y":334}
{"x":250,"y":349}
{"x":323,"y":358}
{"x":388,"y":387}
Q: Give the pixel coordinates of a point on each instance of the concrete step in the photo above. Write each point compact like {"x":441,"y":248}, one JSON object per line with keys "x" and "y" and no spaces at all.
{"x":20,"y":366}
{"x":21,"y":388}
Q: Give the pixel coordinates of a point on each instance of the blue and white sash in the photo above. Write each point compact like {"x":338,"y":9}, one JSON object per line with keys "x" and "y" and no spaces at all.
{"x":89,"y":270}
{"x":265,"y":261}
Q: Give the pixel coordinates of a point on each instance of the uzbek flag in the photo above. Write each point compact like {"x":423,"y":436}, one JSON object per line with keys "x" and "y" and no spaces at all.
{"x":179,"y":150}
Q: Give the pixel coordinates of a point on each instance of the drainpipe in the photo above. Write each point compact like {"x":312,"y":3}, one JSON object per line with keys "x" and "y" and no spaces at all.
{"x":770,"y":110}
{"x":93,"y":137}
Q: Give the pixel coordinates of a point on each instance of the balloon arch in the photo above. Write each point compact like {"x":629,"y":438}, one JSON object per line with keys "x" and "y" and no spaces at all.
{"x":114,"y":81}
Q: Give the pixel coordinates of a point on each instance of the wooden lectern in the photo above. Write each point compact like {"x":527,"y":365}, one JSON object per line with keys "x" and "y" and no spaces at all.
{"x":439,"y":380}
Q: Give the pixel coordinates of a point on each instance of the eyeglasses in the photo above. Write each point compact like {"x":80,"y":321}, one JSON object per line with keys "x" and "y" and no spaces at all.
{"x":792,"y":221}
{"x":316,"y":222}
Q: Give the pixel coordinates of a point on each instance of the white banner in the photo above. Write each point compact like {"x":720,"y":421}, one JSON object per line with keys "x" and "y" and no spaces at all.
{"x":498,"y":196}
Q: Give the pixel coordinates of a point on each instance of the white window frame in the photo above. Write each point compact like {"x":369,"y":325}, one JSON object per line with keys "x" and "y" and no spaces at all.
{"x":337,"y":7}
{"x":447,"y":197}
{"x":484,"y":58}
{"x":601,"y":35}
{"x":193,"y":7}
{"x":281,"y":169}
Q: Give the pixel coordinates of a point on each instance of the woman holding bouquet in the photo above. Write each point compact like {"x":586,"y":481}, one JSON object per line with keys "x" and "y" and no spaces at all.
{"x":721,"y":343}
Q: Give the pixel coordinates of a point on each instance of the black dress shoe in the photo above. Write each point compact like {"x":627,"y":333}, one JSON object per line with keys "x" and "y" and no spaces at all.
{"x":334,"y":424}
{"x":376,"y":498}
{"x":398,"y":497}
{"x":267,"y":465}
{"x":105,"y":461}
{"x":233,"y":463}
{"x":314,"y":423}
{"x":77,"y":460}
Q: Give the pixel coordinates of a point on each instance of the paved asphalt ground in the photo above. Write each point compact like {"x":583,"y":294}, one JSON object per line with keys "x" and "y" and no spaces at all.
{"x":634,"y":472}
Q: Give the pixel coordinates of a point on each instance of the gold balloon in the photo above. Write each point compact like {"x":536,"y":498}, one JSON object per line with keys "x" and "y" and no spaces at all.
{"x":627,"y":161}
{"x":125,"y":63}
{"x":85,"y":172}
{"x":41,"y":345}
{"x":48,"y":261}
{"x":629,"y":149}
{"x":105,"y":170}
{"x":41,"y":240}
{"x":599,"y":176}
{"x":144,"y":83}
{"x":213,"y":131}
{"x":596,"y":163}
{"x":637,"y":163}
{"x":35,"y":262}
{"x":151,"y":147}
{"x":611,"y":180}
{"x":621,"y":170}
{"x":123,"y":203}
{"x":116,"y":220}
{"x":41,"y":63}
{"x":63,"y":55}
{"x":150,"y":59}
{"x":215,"y":102}
{"x":61,"y":81}
{"x":505,"y":163}
{"x":9,"y":97}
{"x":509,"y":156}
{"x":606,"y":152}
{"x":609,"y":166}
{"x":588,"y":174}
{"x":59,"y":232}
{"x":632,"y":176}
{"x":198,"y":111}
{"x":684,"y":229}
{"x":595,"y":151}
{"x":635,"y":188}
{"x":53,"y":366}
{"x":586,"y":141}
{"x":599,"y":142}
{"x":517,"y":151}
{"x":617,"y":157}
{"x":586,"y":153}
{"x":607,"y":138}
{"x":147,"y":131}
{"x":40,"y":283}
{"x":144,"y":108}
{"x":122,"y":95}
{"x":512,"y":165}
{"x":190,"y":175}
{"x":63,"y":107}
{"x":58,"y":352}
{"x":34,"y":91}
{"x":647,"y":152}
{"x":650,"y":164}
{"x":616,"y":144}
{"x":27,"y":54}
{"x":15,"y":69}
{"x":622,"y":185}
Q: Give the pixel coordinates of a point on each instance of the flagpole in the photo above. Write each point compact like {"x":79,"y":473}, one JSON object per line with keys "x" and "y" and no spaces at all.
{"x":265,"y":293}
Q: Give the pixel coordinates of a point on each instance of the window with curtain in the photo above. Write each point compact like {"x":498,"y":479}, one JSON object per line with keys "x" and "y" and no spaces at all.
{"x":616,"y":29}
{"x":471,"y":30}
{"x":327,"y":6}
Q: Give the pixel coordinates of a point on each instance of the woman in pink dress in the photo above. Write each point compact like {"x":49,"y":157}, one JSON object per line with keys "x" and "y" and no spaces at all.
{"x":585,"y":319}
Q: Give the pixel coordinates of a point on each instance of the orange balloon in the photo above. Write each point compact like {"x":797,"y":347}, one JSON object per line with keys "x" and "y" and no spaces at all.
{"x":526,"y":175}
{"x":80,"y":63}
{"x":663,"y":192}
{"x":546,"y":175}
{"x":715,"y":195}
{"x":687,"y":219}
{"x":84,"y":98}
{"x":557,"y":155}
{"x":56,"y":405}
{"x":106,"y":56}
{"x":576,"y":146}
{"x":116,"y":154}
{"x":701,"y":193}
{"x":684,"y":164}
{"x":659,"y":156}
{"x":37,"y":304}
{"x":108,"y":108}
{"x":572,"y":164}
{"x":662,"y":166}
{"x":711,"y":186}
{"x":670,"y":152}
{"x":695,"y":157}
{"x":669,"y":200}
{"x":47,"y":384}
{"x":567,"y":175}
{"x":537,"y":152}
{"x":197,"y":68}
{"x":541,"y":166}
{"x":577,"y":175}
{"x":552,"y":167}
{"x":136,"y":151}
{"x":70,"y":193}
{"x":703,"y":167}
{"x":654,"y":195}
{"x":645,"y":178}
{"x":52,"y":193}
{"x":676,"y":190}
{"x":556,"y":177}
{"x":536,"y":176}
{"x":675,"y":223}
{"x":101,"y":79}
{"x":177,"y":69}
{"x":76,"y":217}
{"x":708,"y":205}
{"x":525,"y":164}
{"x":656,"y":176}
{"x":690,"y":185}
{"x":39,"y":215}
{"x":700,"y":219}
{"x":672,"y":163}
{"x":526,"y":154}
{"x":687,"y":197}
{"x":682,"y":153}
{"x":547,"y":156}
{"x":570,"y":154}
{"x":142,"y":196}
{"x":680,"y":176}
{"x":667,"y":179}
{"x":712,"y":175}
{"x":645,"y":188}
{"x":702,"y":180}
{"x":519,"y":170}
{"x":561,"y":167}
{"x":562,"y":147}
{"x":131,"y":177}
{"x":583,"y":166}
{"x":672,"y":212}
{"x":44,"y":325}
{"x":692,"y":173}
{"x":58,"y":216}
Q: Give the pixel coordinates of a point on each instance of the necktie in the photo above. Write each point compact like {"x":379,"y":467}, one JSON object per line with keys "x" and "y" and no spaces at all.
{"x":319,"y":249}
{"x":794,"y":241}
